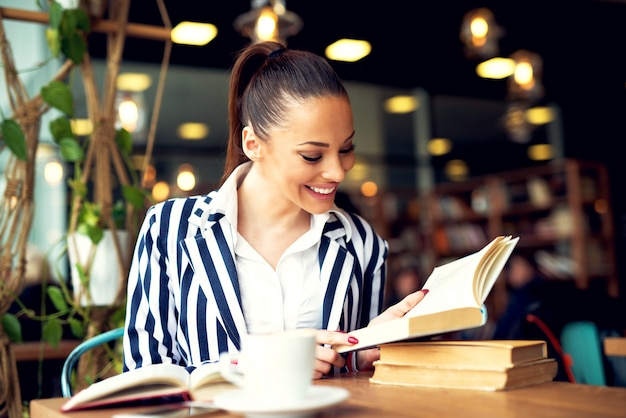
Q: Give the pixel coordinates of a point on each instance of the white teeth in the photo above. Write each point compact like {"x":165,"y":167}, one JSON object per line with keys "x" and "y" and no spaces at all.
{"x":322,"y":191}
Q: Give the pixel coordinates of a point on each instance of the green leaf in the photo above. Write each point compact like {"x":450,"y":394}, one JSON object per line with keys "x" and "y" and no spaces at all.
{"x":118,"y":316}
{"x":82,"y":276}
{"x":95,"y":233}
{"x":74,"y":47}
{"x":58,"y":95}
{"x":68,"y":23}
{"x":119,"y":212}
{"x":52,"y":332}
{"x":124,"y":140}
{"x":12,"y":327}
{"x":71,"y":150}
{"x":61,"y":128}
{"x":54,"y":41}
{"x":82,"y":19}
{"x":14,"y":138}
{"x":133,"y":195}
{"x":77,"y":328}
{"x":56,"y":296}
{"x":90,"y":213}
{"x":56,"y":14}
{"x":78,"y":187}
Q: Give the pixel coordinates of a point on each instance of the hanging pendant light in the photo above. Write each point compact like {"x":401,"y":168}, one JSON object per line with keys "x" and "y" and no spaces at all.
{"x":525,"y":83}
{"x":269,"y":20}
{"x":480,"y":33}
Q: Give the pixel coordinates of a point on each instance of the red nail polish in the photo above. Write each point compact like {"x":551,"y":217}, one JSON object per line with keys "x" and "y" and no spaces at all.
{"x":425,"y":291}
{"x":353,"y":340}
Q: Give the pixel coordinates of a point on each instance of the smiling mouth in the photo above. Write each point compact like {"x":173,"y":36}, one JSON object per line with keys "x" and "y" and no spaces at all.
{"x":320,"y":190}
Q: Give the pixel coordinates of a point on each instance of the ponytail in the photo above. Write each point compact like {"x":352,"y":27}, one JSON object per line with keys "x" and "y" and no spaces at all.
{"x":265,"y":81}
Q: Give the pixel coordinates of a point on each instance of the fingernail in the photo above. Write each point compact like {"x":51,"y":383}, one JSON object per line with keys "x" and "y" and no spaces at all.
{"x":425,"y":291}
{"x":353,"y":340}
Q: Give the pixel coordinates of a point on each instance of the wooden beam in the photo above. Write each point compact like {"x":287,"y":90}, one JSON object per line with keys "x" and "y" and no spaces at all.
{"x":135,"y":30}
{"x":31,"y":351}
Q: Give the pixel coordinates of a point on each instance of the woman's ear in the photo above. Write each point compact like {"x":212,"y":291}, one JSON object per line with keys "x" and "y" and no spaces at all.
{"x":250,"y":144}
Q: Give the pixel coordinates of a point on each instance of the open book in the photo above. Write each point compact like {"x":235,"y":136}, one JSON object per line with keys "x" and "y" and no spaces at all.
{"x":457,"y":292}
{"x":151,"y":382}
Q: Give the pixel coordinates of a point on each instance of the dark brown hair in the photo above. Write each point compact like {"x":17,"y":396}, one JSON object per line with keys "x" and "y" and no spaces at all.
{"x":266,"y":80}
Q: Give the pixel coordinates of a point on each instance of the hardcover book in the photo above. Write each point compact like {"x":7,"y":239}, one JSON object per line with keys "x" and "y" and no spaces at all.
{"x":470,"y":352}
{"x":463,"y":376}
{"x":457,"y":292}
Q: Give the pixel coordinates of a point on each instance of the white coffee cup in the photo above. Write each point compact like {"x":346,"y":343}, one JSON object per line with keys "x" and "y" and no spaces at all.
{"x":274,"y":368}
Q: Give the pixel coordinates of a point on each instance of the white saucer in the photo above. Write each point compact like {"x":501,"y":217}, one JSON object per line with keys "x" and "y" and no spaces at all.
{"x":319,"y":397}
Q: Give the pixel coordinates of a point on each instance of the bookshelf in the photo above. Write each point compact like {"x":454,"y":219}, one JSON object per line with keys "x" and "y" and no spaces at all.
{"x":561,"y":211}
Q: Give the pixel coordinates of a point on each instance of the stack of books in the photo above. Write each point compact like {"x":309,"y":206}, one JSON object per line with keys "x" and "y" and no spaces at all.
{"x":487,"y":365}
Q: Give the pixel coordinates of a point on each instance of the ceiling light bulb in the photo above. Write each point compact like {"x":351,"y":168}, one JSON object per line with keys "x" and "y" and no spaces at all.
{"x":133,"y":81}
{"x":266,"y":27}
{"x":401,"y":104}
{"x":495,"y":68}
{"x":193,"y":131}
{"x":439,"y":146}
{"x":129,"y":114}
{"x":186,"y":179}
{"x":540,"y":115}
{"x":194,"y":33}
{"x":160,"y":191}
{"x":479,"y":27}
{"x":81,"y":127}
{"x":369,"y":189}
{"x":268,"y":21}
{"x":53,"y":172}
{"x":523,"y":74}
{"x":540,"y":152}
{"x":349,"y":50}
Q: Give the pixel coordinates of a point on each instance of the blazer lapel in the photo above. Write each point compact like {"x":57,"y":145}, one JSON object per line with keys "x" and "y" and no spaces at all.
{"x":211,"y":257}
{"x":336,"y":269}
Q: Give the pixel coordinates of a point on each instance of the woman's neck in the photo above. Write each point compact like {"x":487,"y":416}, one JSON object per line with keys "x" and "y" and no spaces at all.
{"x":267,"y":217}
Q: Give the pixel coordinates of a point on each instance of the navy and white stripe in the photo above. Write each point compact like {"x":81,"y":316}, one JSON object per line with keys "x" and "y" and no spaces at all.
{"x":184,"y":305}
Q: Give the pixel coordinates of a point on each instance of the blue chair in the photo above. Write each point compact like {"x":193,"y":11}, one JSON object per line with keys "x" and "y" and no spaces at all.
{"x":581,"y":341}
{"x":82,"y":348}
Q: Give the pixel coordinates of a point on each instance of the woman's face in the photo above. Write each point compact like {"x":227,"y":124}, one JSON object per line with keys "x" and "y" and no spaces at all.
{"x":309,"y":156}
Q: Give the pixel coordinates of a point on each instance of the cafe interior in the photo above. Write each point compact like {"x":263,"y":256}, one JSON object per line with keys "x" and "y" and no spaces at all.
{"x":473,"y":119}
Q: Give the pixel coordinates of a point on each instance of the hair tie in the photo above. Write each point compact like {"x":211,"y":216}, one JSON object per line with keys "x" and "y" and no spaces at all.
{"x":276,"y":53}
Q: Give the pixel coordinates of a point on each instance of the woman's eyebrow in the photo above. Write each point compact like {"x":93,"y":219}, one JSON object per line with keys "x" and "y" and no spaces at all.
{"x":324,"y":144}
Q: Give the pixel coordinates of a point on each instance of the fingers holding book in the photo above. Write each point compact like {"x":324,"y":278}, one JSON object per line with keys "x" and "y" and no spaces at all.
{"x":401,"y":308}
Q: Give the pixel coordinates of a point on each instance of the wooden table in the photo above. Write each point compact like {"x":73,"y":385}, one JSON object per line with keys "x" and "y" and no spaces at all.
{"x":553,"y":399}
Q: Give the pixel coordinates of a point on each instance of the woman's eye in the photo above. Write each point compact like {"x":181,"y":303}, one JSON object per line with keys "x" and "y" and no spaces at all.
{"x":317,"y":158}
{"x":348,"y":150}
{"x":311,"y":159}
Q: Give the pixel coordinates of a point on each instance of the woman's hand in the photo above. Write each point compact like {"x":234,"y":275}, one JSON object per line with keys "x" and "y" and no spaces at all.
{"x":401,"y":308}
{"x":325,"y":356}
{"x":365,"y":358}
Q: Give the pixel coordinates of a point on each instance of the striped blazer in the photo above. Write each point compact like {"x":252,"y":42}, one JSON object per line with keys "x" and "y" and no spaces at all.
{"x":183,"y":299}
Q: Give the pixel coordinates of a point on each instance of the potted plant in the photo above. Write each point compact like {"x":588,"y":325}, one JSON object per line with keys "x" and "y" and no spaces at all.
{"x":107,"y":199}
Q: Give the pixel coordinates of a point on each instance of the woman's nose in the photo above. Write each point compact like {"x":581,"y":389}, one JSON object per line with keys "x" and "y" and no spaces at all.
{"x":334,"y":170}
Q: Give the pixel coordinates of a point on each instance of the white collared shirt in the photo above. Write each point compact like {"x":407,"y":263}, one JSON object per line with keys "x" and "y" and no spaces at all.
{"x":288,"y":297}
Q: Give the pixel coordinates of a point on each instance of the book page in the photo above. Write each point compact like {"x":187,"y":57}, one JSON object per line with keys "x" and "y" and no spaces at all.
{"x":449,"y":286}
{"x":493,"y":266}
{"x":456,"y":284}
{"x":205,"y":374}
{"x":154,"y":374}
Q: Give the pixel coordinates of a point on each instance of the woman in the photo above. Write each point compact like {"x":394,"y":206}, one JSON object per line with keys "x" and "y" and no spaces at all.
{"x":268,"y":250}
